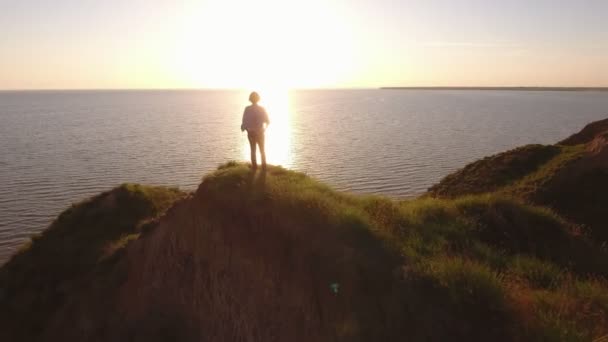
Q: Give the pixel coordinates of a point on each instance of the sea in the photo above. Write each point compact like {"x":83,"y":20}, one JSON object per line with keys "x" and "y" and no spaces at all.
{"x":61,"y":147}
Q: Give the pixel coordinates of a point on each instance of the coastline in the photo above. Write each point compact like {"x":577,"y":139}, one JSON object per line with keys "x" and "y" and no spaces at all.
{"x":523,"y":88}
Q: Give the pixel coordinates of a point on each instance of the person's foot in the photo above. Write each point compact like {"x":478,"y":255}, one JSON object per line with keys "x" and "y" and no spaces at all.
{"x":254,"y":166}
{"x":263,"y":166}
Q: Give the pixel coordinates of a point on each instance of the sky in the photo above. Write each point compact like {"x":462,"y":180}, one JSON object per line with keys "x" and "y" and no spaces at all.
{"x":122,"y":44}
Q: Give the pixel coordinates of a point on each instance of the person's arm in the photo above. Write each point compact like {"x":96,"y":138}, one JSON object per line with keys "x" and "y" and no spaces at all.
{"x":266,"y":119}
{"x":243,"y":120}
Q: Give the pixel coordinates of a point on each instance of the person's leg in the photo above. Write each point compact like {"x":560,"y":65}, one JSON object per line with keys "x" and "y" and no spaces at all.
{"x":260,"y":141}
{"x":252,"y":143}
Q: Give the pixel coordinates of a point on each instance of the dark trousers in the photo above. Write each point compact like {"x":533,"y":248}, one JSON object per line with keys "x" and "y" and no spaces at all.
{"x":256,"y":138}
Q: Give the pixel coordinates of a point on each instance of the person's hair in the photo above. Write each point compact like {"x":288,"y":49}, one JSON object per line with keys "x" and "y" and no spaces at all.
{"x":254,"y":97}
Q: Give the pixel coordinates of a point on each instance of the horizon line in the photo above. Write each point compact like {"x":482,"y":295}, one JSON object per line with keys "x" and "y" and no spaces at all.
{"x":172,"y":89}
{"x":562,"y":88}
{"x":499,"y":87}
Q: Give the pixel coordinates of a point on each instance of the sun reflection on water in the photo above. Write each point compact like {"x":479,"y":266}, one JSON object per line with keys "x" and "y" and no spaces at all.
{"x":278,"y":133}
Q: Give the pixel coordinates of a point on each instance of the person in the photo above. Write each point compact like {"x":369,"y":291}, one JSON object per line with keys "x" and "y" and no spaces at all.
{"x":255,"y":121}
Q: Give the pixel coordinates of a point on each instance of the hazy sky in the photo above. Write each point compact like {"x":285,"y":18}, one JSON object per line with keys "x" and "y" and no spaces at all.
{"x":310,"y":43}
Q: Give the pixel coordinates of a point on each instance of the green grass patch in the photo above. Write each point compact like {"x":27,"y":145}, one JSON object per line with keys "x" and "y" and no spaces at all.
{"x":466,"y":282}
{"x":491,"y":173}
{"x":537,"y":273}
{"x":535,"y":182}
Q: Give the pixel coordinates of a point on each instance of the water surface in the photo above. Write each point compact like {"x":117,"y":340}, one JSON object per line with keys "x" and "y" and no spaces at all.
{"x":57,"y":148}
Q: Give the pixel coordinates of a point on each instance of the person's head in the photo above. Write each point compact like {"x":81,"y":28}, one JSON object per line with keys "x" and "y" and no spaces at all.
{"x":254,"y":97}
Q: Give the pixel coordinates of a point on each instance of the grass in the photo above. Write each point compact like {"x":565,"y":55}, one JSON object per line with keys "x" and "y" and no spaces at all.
{"x":84,"y":239}
{"x":522,"y":172}
{"x":587,"y":134}
{"x":575,"y":312}
{"x":566,"y":178}
{"x":475,"y":267}
{"x":466,"y":258}
{"x":534,"y":183}
{"x":537,"y":273}
{"x":491,"y":173}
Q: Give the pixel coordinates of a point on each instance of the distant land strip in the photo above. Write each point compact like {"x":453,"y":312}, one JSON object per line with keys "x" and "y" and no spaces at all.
{"x":503,"y":88}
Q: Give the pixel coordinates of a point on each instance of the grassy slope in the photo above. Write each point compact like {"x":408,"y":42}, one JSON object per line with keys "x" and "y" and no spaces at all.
{"x":479,"y":267}
{"x":571,"y":178}
{"x":79,"y":246}
{"x":567,"y":182}
{"x":587,"y":134}
{"x":533,"y":184}
{"x":491,"y":173}
{"x":522,"y":171}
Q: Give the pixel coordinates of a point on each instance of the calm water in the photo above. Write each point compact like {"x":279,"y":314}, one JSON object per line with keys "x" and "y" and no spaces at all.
{"x":57,"y":148}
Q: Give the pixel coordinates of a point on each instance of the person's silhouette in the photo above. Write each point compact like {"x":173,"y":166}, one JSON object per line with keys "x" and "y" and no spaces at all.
{"x":255,"y":121}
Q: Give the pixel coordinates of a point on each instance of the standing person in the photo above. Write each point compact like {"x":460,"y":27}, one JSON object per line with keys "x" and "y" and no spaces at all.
{"x":255,"y":121}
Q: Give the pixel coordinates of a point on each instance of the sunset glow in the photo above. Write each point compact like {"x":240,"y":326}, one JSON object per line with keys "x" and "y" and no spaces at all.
{"x":268,"y":44}
{"x":301,"y":44}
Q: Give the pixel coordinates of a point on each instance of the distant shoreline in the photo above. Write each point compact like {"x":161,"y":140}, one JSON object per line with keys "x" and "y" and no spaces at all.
{"x":502,"y":88}
{"x":523,"y":88}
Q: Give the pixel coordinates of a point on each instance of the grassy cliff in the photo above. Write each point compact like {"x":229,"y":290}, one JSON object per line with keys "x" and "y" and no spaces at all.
{"x":570,"y":177}
{"x":278,"y":256}
{"x":80,"y":248}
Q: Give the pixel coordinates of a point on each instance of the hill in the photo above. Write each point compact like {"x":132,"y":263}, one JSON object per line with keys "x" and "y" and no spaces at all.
{"x":570,"y":177}
{"x":278,"y":256}
{"x":80,"y":248}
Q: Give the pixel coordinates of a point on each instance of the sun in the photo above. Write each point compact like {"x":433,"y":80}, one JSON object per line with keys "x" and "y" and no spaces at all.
{"x":264,"y":44}
{"x":270,"y":46}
